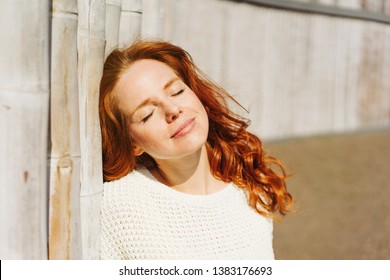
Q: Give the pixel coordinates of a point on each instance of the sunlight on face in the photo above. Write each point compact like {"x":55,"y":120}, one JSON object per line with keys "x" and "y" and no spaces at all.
{"x":166,"y":118}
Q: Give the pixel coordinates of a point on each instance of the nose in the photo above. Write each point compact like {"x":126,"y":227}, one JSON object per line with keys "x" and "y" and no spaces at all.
{"x":172,"y":111}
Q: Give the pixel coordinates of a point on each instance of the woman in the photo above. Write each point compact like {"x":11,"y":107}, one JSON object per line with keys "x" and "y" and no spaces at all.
{"x":184,"y":179}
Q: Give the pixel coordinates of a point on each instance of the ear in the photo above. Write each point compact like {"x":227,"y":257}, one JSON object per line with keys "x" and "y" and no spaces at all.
{"x":138,"y":151}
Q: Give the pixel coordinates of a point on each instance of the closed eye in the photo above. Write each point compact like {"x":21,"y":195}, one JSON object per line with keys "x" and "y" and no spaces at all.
{"x":147,"y":117}
{"x":179,"y":92}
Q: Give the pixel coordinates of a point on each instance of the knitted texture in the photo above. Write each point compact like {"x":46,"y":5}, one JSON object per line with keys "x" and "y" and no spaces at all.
{"x":145,"y":219}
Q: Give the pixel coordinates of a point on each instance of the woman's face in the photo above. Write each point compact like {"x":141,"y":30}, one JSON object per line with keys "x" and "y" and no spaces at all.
{"x":166,"y":118}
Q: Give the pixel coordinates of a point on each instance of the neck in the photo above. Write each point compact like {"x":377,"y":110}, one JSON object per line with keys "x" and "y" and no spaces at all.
{"x":190,"y":174}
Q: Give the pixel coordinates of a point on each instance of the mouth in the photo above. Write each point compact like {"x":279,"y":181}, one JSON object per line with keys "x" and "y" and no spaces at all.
{"x":184,"y":129}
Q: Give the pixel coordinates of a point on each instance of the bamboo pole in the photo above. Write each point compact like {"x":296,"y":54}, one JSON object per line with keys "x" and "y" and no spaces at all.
{"x":91,"y":49}
{"x":151,"y":19}
{"x":24,"y":97}
{"x":130,"y":21}
{"x":64,"y":222}
{"x":113,"y":17}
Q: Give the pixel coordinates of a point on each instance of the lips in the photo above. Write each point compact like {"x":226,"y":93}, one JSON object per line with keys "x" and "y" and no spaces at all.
{"x":184,"y":129}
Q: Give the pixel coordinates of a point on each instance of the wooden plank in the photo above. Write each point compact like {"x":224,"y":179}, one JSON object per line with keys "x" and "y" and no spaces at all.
{"x":199,"y":29}
{"x":113,"y":16}
{"x":371,"y":95}
{"x":151,"y":19}
{"x":386,"y":71}
{"x":91,"y":50}
{"x":245,"y":80}
{"x":130,"y":21}
{"x":275,"y":79}
{"x":24,"y":104}
{"x":341,"y":30}
{"x":168,"y":7}
{"x":354,"y":43}
{"x":321,"y":71}
{"x":64,"y":222}
{"x":65,"y":231}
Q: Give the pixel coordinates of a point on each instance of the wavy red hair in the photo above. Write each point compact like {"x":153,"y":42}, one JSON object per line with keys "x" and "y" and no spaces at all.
{"x":235,"y":154}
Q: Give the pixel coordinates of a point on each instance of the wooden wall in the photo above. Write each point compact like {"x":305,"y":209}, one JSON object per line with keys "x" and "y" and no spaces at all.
{"x":83,"y":32}
{"x":298,"y":73}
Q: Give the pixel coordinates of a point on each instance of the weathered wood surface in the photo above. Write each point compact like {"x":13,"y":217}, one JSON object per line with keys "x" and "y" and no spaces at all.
{"x":152,"y":15}
{"x":113,"y":17}
{"x":64,"y":221}
{"x":91,"y":52}
{"x":297,"y":73}
{"x":130,"y":21}
{"x":375,"y":6}
{"x":24,"y":104}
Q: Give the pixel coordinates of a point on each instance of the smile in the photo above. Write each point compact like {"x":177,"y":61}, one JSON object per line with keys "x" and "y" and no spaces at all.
{"x":184,"y":129}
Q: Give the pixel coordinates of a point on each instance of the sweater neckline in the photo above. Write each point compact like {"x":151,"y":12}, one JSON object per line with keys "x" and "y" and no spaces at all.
{"x":194,"y":197}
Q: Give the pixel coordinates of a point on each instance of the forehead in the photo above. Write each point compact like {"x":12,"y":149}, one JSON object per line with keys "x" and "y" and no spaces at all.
{"x":141,"y":80}
{"x":146,"y":73}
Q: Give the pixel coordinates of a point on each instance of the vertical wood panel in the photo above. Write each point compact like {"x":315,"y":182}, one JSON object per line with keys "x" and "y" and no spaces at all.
{"x":340,"y":62}
{"x":206,"y":45}
{"x":64,"y":227}
{"x":24,"y":97}
{"x":386,"y":7}
{"x":113,"y":16}
{"x":91,"y":50}
{"x":130,"y":21}
{"x":276,"y":79}
{"x":372,"y":99}
{"x":354,"y":44}
{"x":167,"y":18}
{"x":151,"y":19}
{"x":386,"y":71}
{"x":246,"y":76}
{"x":320,"y":75}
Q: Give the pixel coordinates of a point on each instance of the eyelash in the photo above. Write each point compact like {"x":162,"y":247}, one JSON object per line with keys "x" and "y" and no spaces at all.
{"x":148,"y":116}
{"x":179,"y":92}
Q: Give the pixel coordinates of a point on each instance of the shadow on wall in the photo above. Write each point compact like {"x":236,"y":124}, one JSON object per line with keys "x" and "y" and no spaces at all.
{"x":342,"y":187}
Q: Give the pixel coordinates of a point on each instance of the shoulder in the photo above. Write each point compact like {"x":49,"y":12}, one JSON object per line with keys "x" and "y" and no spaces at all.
{"x":128,"y":180}
{"x":132,"y":186}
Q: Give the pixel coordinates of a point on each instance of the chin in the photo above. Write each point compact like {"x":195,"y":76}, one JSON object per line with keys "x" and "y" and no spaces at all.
{"x":192,"y":149}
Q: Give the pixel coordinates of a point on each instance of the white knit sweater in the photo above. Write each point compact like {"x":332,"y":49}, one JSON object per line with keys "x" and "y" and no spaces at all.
{"x":145,"y":219}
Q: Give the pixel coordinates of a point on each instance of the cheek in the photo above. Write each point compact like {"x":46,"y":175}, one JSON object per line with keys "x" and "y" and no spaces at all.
{"x":137,"y":136}
{"x":194,"y":102}
{"x":202,"y":109}
{"x":149,"y":136}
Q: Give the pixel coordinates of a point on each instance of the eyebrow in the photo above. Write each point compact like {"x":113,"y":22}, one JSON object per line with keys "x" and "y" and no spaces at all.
{"x":145,"y":102}
{"x":149,"y":100}
{"x":167,"y":85}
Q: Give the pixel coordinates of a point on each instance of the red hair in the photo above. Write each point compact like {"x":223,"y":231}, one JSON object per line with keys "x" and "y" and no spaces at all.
{"x":235,"y":154}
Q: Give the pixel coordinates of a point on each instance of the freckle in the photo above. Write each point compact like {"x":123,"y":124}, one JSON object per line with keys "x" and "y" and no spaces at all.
{"x":25,"y":174}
